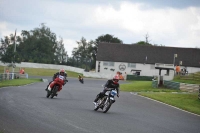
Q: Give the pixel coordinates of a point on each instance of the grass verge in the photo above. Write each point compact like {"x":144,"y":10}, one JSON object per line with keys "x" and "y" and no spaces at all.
{"x":185,"y":101}
{"x":143,"y":86}
{"x":41,"y":71}
{"x":188,"y":102}
{"x":189,"y":79}
{"x":18,"y":82}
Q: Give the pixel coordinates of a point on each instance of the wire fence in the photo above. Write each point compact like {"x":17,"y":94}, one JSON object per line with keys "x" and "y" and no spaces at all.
{"x":193,"y":76}
{"x":10,"y":76}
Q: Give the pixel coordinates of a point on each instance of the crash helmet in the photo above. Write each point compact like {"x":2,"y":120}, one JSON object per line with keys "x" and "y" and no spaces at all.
{"x":62,"y":72}
{"x":116,"y":79}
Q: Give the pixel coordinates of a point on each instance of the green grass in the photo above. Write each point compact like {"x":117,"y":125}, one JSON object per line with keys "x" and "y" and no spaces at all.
{"x":18,"y":82}
{"x":190,"y":79}
{"x":188,"y":102}
{"x":143,"y":86}
{"x":185,"y":101}
{"x":41,"y":71}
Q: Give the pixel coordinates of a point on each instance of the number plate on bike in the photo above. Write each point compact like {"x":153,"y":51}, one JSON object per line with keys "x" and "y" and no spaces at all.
{"x":61,"y":77}
{"x":113,"y":92}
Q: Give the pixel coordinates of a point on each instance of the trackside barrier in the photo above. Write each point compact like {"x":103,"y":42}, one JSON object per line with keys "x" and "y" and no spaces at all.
{"x":9,"y":76}
{"x":98,"y":75}
{"x":68,"y":68}
{"x":178,"y":86}
{"x":46,"y":66}
{"x":155,"y":84}
{"x":140,"y":78}
{"x":199,"y":93}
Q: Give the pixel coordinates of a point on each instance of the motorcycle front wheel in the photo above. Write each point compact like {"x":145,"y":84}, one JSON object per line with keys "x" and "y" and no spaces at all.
{"x":48,"y":93}
{"x":99,"y":103}
{"x":54,"y":91}
{"x":107,"y":106}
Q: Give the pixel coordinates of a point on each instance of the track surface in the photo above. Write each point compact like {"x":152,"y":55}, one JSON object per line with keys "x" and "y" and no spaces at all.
{"x":26,"y":109}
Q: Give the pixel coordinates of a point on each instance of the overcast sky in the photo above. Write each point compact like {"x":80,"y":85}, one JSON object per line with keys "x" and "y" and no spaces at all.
{"x":173,"y":23}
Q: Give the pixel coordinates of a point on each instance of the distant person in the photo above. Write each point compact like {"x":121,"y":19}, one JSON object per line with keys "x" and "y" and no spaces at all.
{"x":22,"y":71}
{"x":121,"y":77}
{"x":185,"y":70}
{"x":125,"y":76}
{"x":80,"y":78}
{"x":178,"y":69}
{"x":7,"y":71}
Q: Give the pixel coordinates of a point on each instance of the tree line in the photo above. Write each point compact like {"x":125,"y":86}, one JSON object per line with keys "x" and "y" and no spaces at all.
{"x":41,"y":45}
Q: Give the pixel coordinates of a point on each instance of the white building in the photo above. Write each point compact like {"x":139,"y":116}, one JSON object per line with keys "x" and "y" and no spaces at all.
{"x":141,"y":60}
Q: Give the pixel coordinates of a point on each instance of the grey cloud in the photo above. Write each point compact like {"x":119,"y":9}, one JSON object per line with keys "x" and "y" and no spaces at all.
{"x":152,"y":3}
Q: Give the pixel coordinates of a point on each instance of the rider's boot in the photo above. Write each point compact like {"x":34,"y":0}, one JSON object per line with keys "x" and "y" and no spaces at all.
{"x":49,"y":88}
{"x":95,"y":100}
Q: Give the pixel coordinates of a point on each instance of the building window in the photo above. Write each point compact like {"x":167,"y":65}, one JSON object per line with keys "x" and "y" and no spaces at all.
{"x":132,"y":65}
{"x":152,"y":66}
{"x":108,"y":63}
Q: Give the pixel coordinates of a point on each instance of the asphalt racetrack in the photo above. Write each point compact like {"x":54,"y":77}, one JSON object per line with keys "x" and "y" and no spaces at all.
{"x":26,"y":109}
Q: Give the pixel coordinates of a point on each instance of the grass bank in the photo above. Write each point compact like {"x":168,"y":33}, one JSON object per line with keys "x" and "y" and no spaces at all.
{"x":193,"y":78}
{"x":18,"y":82}
{"x":41,"y":71}
{"x":143,"y":86}
{"x":185,"y":101}
{"x":188,"y":102}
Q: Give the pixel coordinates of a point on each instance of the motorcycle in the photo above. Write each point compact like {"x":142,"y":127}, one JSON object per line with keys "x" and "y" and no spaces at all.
{"x":81,"y":80}
{"x":54,"y":90}
{"x":106,"y":101}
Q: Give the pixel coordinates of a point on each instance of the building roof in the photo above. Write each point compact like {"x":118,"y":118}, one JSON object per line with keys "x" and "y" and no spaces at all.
{"x":116,"y":52}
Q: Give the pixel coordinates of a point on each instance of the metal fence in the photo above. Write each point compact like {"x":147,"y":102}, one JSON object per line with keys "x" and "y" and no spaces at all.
{"x":9,"y":76}
{"x":191,"y":76}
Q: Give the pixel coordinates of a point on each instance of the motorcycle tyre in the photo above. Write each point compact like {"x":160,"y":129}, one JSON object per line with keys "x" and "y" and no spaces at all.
{"x":48,"y":93}
{"x":108,"y":107}
{"x":55,"y":89}
{"x":95,"y":109}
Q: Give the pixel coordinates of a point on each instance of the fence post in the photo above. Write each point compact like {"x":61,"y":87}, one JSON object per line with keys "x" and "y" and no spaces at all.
{"x":199,"y":93}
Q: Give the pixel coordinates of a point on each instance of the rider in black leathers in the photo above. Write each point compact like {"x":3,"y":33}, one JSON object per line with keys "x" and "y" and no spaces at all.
{"x":110,"y":84}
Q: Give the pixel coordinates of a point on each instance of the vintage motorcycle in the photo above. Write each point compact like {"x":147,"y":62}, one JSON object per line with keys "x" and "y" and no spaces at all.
{"x":55,"y":88}
{"x":81,"y":80}
{"x":106,"y":101}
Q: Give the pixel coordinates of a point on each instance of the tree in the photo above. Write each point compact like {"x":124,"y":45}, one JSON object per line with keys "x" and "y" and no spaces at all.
{"x":83,"y":53}
{"x":103,"y":38}
{"x":143,"y":43}
{"x":60,"y":52}
{"x":146,"y":42}
{"x":39,"y":45}
{"x":7,"y":54}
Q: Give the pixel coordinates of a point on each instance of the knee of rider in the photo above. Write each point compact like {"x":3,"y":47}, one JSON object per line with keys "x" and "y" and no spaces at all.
{"x":101,"y":94}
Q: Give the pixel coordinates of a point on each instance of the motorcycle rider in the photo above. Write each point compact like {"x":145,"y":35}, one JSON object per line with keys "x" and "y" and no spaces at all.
{"x":110,"y":85}
{"x":79,"y":77}
{"x":58,"y":78}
